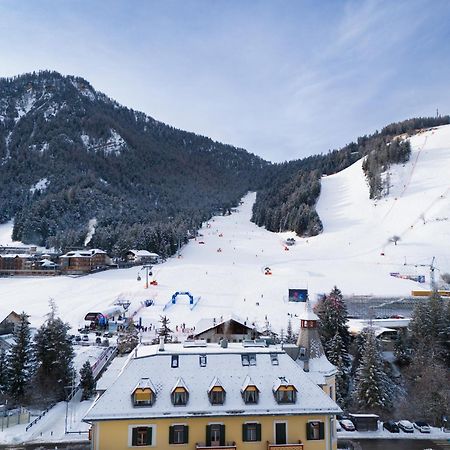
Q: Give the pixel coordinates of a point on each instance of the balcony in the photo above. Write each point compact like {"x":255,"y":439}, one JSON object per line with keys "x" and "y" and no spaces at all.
{"x":298,"y":446}
{"x":228,"y":446}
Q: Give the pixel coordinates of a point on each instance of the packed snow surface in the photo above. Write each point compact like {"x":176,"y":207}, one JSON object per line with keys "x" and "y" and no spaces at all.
{"x":353,"y":253}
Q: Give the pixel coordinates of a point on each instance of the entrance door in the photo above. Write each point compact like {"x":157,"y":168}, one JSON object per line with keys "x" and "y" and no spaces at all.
{"x":280,"y":433}
{"x":215,"y":435}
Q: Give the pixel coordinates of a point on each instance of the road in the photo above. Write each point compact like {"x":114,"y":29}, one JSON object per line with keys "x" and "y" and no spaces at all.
{"x":400,"y":444}
{"x":49,"y":446}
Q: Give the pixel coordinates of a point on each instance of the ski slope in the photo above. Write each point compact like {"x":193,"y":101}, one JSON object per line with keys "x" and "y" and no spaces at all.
{"x":353,"y":253}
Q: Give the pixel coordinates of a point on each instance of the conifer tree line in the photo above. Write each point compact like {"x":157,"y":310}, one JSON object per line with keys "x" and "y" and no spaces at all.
{"x":155,"y":185}
{"x":288,"y":197}
{"x":364,"y":381}
{"x":39,"y":370}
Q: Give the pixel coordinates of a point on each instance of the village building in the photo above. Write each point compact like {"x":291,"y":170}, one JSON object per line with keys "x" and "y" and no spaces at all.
{"x":9,"y":323}
{"x":142,"y":257}
{"x":84,"y":261}
{"x":207,"y":396}
{"x":310,"y":355}
{"x":232,"y":328}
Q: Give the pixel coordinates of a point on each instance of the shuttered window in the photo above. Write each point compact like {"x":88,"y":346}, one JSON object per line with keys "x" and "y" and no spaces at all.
{"x":179,"y":434}
{"x":141,"y":436}
{"x":251,"y":432}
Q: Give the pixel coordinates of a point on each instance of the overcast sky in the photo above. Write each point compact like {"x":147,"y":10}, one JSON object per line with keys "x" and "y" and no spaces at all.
{"x":283,"y":79}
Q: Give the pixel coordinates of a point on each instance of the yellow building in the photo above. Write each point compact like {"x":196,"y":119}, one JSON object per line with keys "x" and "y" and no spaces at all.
{"x":206,"y":396}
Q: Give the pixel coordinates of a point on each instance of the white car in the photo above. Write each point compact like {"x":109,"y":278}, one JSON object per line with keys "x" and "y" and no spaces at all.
{"x":406,"y":426}
{"x":422,"y":426}
{"x":347,"y":425}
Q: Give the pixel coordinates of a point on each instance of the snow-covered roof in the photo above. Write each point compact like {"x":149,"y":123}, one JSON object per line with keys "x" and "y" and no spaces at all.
{"x":15,"y":255}
{"x":356,"y":326}
{"x":210,"y":323}
{"x":180,"y":384}
{"x":318,"y":369}
{"x":282,"y":382}
{"x":47,"y":263}
{"x":84,"y":253}
{"x":116,"y":403}
{"x":144,"y":253}
{"x":145,"y":383}
{"x":248,"y":382}
{"x":308,"y":313}
{"x":214,"y":383}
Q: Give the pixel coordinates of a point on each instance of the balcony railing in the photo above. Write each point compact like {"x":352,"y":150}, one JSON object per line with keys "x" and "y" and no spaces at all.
{"x":228,"y":446}
{"x":298,"y":446}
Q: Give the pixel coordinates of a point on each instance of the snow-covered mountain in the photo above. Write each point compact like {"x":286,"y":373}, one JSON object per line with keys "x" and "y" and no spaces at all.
{"x":69,"y":154}
{"x":353,"y":252}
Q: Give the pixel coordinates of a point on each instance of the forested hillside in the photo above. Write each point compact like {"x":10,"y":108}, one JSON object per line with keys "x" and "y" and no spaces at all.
{"x":69,"y":154}
{"x":73,"y":161}
{"x":287,"y":200}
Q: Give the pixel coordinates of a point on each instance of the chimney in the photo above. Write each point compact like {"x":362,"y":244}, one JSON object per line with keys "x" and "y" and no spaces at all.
{"x":161,"y":343}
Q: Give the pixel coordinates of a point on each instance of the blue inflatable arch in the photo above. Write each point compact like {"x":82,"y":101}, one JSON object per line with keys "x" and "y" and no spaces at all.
{"x":191,"y":298}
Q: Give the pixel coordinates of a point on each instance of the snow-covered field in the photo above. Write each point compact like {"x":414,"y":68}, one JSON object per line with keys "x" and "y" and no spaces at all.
{"x":353,"y":253}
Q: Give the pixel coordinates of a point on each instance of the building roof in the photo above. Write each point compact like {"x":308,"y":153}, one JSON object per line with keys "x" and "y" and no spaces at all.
{"x":84,"y":253}
{"x":210,"y":323}
{"x":144,"y":253}
{"x":248,"y":382}
{"x":116,"y":402}
{"x":180,"y":384}
{"x":308,"y":313}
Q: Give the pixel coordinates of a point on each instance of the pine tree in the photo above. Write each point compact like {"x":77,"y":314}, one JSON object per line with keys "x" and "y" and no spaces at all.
{"x":338,"y":356}
{"x":374,"y":391}
{"x":164,"y":330}
{"x":402,"y":350}
{"x":335,"y":337}
{"x":128,"y":339}
{"x":3,"y":372}
{"x":290,"y":338}
{"x":20,"y":360}
{"x":54,"y":355}
{"x":87,"y":381}
{"x":333,"y":316}
{"x":428,"y":325}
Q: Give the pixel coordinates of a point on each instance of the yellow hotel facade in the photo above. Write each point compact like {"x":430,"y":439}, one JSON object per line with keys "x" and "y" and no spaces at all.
{"x":199,"y":396}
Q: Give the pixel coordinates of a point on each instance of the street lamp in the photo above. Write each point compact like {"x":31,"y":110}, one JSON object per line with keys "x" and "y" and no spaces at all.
{"x":147,"y":273}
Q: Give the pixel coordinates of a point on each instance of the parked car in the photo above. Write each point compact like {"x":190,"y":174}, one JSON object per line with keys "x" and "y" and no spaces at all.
{"x":406,"y":426}
{"x":107,"y":335}
{"x":77,"y":338}
{"x":85,"y":338}
{"x":391,"y":426}
{"x":422,"y":426}
{"x":347,"y":425}
{"x":98,"y":340}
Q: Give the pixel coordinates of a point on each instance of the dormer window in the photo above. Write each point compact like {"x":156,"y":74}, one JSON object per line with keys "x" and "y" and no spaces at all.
{"x":216,"y":392}
{"x":248,"y":359}
{"x":249,"y":391}
{"x":144,"y":393}
{"x":180,"y":393}
{"x":217,"y":396}
{"x":250,"y":395}
{"x":180,"y":397}
{"x":284,"y":391}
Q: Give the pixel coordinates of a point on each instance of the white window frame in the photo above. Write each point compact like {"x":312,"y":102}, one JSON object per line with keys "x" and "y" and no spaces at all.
{"x":139,"y":425}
